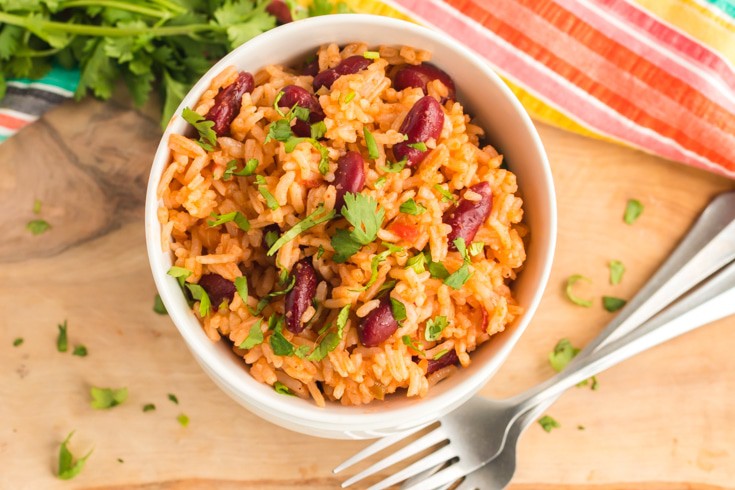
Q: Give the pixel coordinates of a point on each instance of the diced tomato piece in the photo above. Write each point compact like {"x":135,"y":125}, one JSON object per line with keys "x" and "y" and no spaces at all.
{"x":310,"y":183}
{"x":405,"y":231}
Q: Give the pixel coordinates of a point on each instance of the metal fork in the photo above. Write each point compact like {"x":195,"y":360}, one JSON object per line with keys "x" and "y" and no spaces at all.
{"x":709,"y":245}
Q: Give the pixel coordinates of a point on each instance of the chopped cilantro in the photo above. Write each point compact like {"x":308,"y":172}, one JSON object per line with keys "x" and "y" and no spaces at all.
{"x":446,"y":195}
{"x":62,"y":344}
{"x":412,"y":207}
{"x":476,"y":248}
{"x":280,"y":345}
{"x":255,"y":336}
{"x":183,"y":419}
{"x":173,"y":398}
{"x":440,"y":354}
{"x":399,"y":310}
{"x":380,"y":182}
{"x":371,"y":55}
{"x":104,"y":398}
{"x":148,"y":407}
{"x":241,"y":285}
{"x":249,"y":169}
{"x":344,"y":246}
{"x":394,"y":168}
{"x":548,"y":424}
{"x":437,"y":270}
{"x":364,"y":213}
{"x":617,"y":269}
{"x":236,"y":216}
{"x":68,"y":468}
{"x":633,"y":210}
{"x":372,"y":146}
{"x":612,"y":304}
{"x":417,"y":263}
{"x":37,"y":206}
{"x":270,"y":238}
{"x":318,"y":130}
{"x":270,"y":201}
{"x":179,"y":273}
{"x":282,"y":389}
{"x":278,"y":98}
{"x":38,"y":226}
{"x":301,"y":351}
{"x":458,"y":278}
{"x":570,"y":292}
{"x":406,"y":339}
{"x":207,"y":136}
{"x":385,"y":287}
{"x":79,"y":350}
{"x":229,"y":169}
{"x":562,"y":355}
{"x":198,"y":293}
{"x":158,"y":305}
{"x":291,"y":143}
{"x":279,"y":130}
{"x":301,"y":113}
{"x":320,"y":252}
{"x":434,"y":327}
{"x":18,"y":341}
{"x":309,"y":222}
{"x":349,"y":97}
{"x":420,"y":146}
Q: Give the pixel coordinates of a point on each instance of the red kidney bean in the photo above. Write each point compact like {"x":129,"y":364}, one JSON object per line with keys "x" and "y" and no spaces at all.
{"x":423,"y":122}
{"x":446,"y":360}
{"x":378,"y":325}
{"x":347,"y":66}
{"x":293,"y":94}
{"x":311,"y":67}
{"x":349,"y":176}
{"x":227,"y":103}
{"x":218,"y":289}
{"x":420,"y":75}
{"x":300,"y":297}
{"x":467,"y":217}
{"x":279,"y":10}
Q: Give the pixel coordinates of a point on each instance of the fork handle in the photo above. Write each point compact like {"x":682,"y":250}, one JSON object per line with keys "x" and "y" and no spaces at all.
{"x":711,"y":301}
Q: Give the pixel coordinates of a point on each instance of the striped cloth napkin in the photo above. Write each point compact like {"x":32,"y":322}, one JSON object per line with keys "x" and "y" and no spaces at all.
{"x":657,"y":75}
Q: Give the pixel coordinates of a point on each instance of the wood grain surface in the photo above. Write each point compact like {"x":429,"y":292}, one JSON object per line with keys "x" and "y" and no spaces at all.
{"x":663,"y":420}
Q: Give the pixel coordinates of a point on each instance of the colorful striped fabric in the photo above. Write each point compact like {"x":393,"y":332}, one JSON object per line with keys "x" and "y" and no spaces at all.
{"x":658,"y":75}
{"x":26,"y":100}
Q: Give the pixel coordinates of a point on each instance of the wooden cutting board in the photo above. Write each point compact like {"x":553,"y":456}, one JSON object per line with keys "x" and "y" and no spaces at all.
{"x":664,"y":420}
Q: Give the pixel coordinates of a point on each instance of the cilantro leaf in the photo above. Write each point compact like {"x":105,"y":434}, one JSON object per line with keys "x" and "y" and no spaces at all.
{"x":562,"y":354}
{"x":207,"y":136}
{"x":241,"y":285}
{"x":371,"y":55}
{"x":372,"y":146}
{"x":446,"y":195}
{"x":183,"y":419}
{"x":282,"y":389}
{"x":270,"y":200}
{"x":399,"y":310}
{"x":104,"y":398}
{"x":249,"y":169}
{"x":79,"y":350}
{"x":458,"y":278}
{"x":344,"y":246}
{"x":149,"y":407}
{"x":318,"y":130}
{"x":255,"y":336}
{"x":332,"y":339}
{"x":612,"y":304}
{"x":309,"y":222}
{"x":236,"y":216}
{"x":548,"y":424}
{"x":380,"y":182}
{"x":179,"y":273}
{"x":573,"y":279}
{"x":62,"y":344}
{"x":412,"y":207}
{"x":68,"y":468}
{"x":434,"y":327}
{"x":406,"y":339}
{"x":437,"y":270}
{"x":440,"y":354}
{"x":37,"y":206}
{"x":617,"y":269}
{"x":280,"y":345}
{"x":476,"y":248}
{"x":18,"y":341}
{"x":38,"y":226}
{"x":158,"y":305}
{"x":279,"y":130}
{"x":198,"y":293}
{"x":417,"y":263}
{"x":349,"y":97}
{"x":364,"y":213}
{"x":173,"y":398}
{"x":633,"y":210}
{"x":394,"y":168}
{"x":420,"y":146}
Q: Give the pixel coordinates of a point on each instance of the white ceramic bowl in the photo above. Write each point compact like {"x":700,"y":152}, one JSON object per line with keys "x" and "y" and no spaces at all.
{"x":508,"y":128}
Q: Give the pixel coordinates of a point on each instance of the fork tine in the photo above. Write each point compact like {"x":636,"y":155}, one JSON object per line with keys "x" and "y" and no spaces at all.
{"x":444,"y":454}
{"x":446,"y":476}
{"x":378,"y":446}
{"x":435,"y":436}
{"x":421,"y":476}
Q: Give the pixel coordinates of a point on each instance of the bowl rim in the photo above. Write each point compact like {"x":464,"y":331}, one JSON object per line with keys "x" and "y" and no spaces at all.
{"x":281,"y":406}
